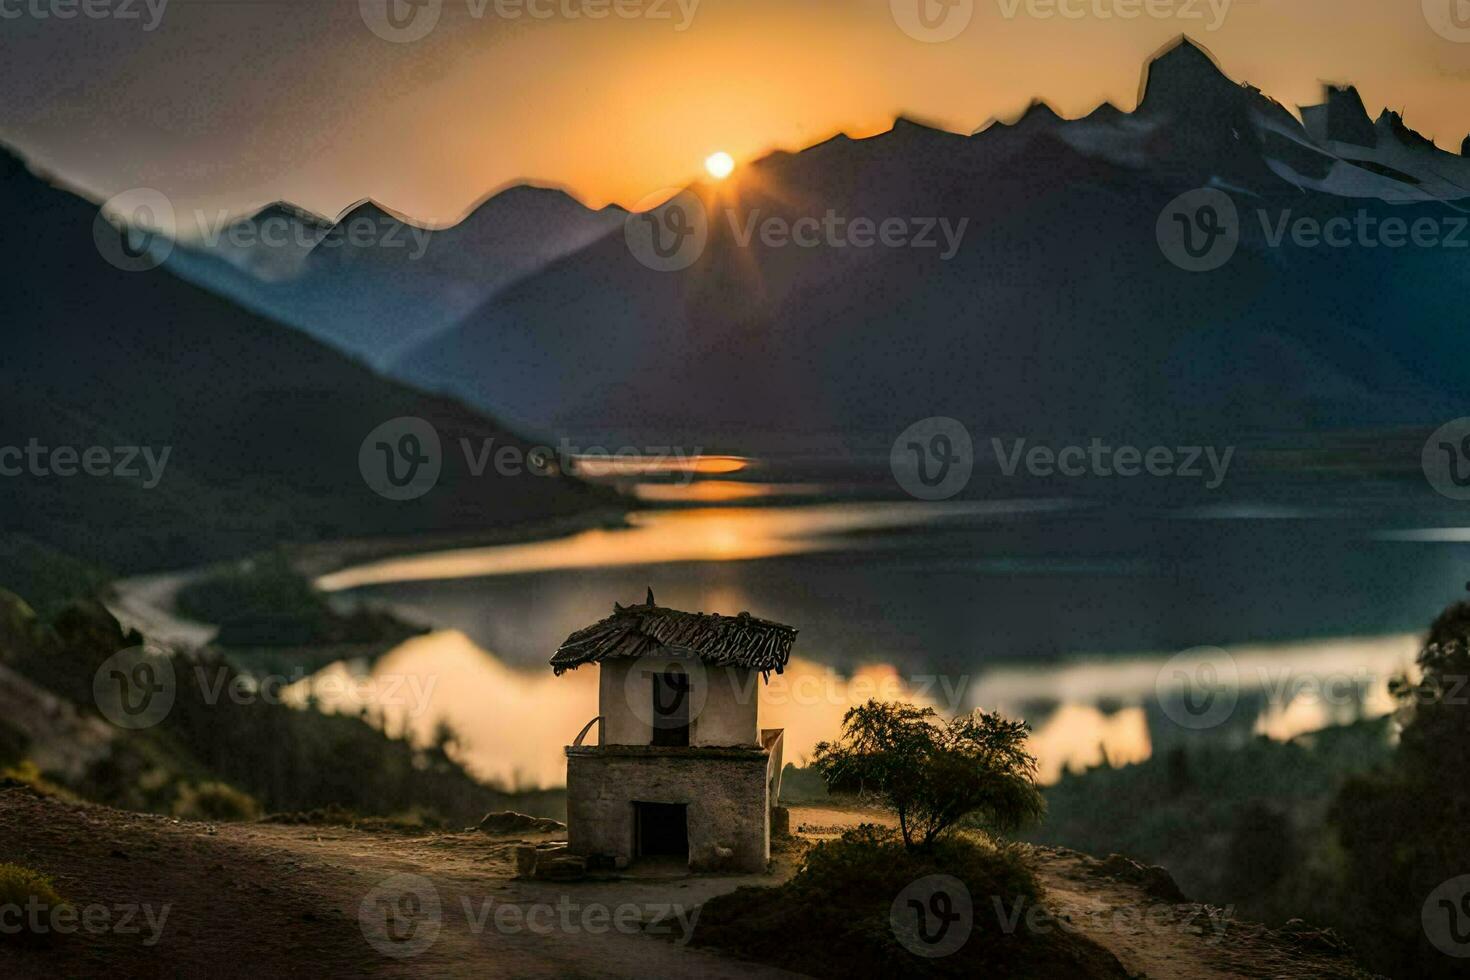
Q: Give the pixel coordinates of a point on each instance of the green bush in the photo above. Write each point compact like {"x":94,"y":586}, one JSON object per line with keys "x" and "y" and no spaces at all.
{"x":934,"y":774}
{"x":832,"y":919}
{"x":19,"y":888}
{"x":214,"y":801}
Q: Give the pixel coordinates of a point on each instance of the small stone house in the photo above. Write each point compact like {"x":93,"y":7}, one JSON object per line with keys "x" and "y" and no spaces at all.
{"x":680,"y":770}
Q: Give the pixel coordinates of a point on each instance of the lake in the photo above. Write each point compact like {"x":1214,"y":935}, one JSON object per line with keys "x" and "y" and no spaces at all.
{"x":1082,"y":615}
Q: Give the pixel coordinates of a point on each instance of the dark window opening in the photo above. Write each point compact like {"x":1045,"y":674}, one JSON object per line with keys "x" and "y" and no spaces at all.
{"x":671,"y":708}
{"x":662,"y":829}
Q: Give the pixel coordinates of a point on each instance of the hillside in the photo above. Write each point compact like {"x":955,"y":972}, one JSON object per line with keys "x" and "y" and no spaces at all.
{"x":303,"y":888}
{"x":262,"y":424}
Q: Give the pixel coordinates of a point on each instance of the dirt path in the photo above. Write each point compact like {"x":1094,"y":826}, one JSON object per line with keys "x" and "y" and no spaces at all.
{"x":178,"y":898}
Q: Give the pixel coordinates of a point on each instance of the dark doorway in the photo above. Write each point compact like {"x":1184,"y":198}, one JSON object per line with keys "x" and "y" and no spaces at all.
{"x":671,"y":708}
{"x":662,"y":829}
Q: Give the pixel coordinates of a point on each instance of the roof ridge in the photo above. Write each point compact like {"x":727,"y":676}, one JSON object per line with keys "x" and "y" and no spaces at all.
{"x":637,"y":630}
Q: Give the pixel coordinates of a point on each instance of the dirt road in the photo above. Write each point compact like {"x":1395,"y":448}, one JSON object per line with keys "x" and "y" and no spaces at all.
{"x":178,"y":898}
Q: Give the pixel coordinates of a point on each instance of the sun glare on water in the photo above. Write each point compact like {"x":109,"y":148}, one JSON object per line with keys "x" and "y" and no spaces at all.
{"x":720,"y":165}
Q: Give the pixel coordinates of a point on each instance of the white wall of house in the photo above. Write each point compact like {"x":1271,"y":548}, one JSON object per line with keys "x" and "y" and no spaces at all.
{"x":723,"y":701}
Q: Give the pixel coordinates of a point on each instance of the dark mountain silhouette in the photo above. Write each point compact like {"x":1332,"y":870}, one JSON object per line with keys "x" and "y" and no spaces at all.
{"x":263,"y":423}
{"x":374,"y":282}
{"x":1058,"y":314}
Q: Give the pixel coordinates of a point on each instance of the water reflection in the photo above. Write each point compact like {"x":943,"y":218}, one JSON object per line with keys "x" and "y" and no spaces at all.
{"x":659,"y":537}
{"x":514,"y":723}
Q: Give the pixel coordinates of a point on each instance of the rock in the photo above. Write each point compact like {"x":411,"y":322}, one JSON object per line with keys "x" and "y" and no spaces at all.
{"x":1311,"y":937}
{"x":525,"y":860}
{"x":510,"y":822}
{"x":1153,"y":879}
{"x":567,"y":867}
{"x":780,"y":821}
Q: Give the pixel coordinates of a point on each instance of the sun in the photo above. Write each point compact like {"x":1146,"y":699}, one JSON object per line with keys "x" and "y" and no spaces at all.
{"x":720,"y":165}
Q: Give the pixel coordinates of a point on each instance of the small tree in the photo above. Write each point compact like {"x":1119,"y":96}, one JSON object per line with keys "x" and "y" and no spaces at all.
{"x":934,"y":774}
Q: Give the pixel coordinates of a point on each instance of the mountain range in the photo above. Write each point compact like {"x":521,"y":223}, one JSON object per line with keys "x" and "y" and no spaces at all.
{"x":1058,"y":313}
{"x":262,"y":424}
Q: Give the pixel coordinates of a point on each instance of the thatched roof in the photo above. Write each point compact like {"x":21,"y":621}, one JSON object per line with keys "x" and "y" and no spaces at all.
{"x":632,"y":631}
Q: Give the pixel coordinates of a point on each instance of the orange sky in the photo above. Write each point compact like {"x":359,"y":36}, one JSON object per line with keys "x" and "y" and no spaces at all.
{"x":233,"y":105}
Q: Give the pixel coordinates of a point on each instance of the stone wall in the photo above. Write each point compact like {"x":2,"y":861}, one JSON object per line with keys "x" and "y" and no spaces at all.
{"x":725,"y":791}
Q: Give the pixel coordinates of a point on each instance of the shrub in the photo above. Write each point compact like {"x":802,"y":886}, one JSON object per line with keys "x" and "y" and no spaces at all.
{"x":833,"y":917}
{"x":214,"y":801}
{"x":935,"y":775}
{"x":20,"y":888}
